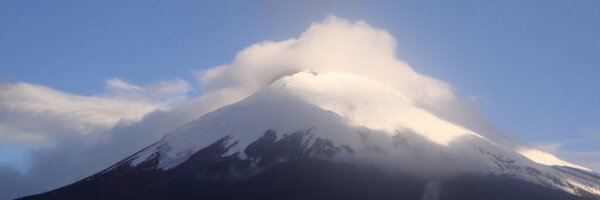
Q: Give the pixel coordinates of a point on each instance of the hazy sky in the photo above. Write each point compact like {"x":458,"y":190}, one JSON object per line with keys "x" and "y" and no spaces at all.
{"x":533,"y":67}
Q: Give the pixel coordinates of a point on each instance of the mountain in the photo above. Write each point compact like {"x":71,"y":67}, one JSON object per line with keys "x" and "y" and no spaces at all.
{"x":330,"y":135}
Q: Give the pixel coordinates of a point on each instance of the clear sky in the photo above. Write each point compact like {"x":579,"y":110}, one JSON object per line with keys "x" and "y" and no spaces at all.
{"x":533,"y":67}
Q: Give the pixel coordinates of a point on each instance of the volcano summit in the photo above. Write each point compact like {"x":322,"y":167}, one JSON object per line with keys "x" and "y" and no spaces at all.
{"x":331,"y":115}
{"x":331,"y":135}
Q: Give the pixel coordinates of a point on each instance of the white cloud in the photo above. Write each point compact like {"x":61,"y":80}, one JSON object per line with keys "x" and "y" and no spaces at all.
{"x":333,"y":45}
{"x":161,"y":92}
{"x":35,"y":113}
{"x":550,"y":147}
{"x":62,"y":130}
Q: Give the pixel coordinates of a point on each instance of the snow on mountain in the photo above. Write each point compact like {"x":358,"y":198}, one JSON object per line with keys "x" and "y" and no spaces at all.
{"x":380,"y":126}
{"x":366,"y":102}
{"x":546,"y":158}
{"x":336,"y":105}
{"x":302,"y":113}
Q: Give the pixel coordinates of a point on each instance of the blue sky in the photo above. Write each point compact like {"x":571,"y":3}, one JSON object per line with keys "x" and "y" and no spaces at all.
{"x":533,"y":67}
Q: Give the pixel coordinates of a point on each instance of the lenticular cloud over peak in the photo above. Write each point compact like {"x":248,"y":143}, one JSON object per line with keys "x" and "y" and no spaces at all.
{"x":334,"y":45}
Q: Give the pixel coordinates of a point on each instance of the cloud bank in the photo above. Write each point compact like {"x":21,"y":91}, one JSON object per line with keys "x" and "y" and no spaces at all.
{"x":36,"y":114}
{"x":63,"y":131}
{"x":69,"y":136}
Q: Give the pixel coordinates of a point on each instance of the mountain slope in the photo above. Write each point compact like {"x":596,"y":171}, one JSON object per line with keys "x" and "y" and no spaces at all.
{"x":329,"y":135}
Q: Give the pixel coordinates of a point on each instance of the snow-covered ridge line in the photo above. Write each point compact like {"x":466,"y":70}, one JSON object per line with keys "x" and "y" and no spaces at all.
{"x":360,"y":113}
{"x":359,"y":101}
{"x":369,"y":103}
{"x":547,"y":158}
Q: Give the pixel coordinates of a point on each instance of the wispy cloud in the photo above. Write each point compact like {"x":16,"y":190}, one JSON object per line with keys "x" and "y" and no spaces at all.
{"x":35,"y":113}
{"x":68,"y":136}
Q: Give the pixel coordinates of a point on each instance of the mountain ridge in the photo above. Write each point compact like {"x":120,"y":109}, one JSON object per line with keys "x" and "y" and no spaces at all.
{"x":332,"y":119}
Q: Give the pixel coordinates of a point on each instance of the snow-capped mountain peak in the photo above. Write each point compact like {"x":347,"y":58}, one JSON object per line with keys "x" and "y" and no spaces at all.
{"x":362,"y":101}
{"x":336,"y":118}
{"x":335,"y":105}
